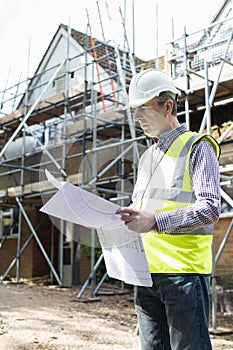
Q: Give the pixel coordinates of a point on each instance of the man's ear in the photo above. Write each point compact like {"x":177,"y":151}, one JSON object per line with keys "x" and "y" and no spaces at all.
{"x":169,"y":105}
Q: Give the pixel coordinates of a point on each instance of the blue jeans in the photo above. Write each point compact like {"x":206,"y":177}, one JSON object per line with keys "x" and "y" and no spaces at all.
{"x":174,"y":313}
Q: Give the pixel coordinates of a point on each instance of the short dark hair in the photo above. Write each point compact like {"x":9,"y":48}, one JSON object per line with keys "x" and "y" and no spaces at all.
{"x":165,"y":96}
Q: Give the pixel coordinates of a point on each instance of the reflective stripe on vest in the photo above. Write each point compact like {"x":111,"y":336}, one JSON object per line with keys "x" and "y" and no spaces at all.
{"x":168,"y":187}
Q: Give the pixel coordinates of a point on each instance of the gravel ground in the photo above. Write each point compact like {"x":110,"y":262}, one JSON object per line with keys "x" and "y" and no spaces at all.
{"x":36,"y":316}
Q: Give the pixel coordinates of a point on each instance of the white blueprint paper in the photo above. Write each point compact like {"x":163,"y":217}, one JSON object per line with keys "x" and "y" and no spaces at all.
{"x":122,"y":249}
{"x":126,"y":262}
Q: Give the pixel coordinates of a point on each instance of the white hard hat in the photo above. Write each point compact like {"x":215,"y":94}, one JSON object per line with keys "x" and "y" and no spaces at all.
{"x":147,"y":84}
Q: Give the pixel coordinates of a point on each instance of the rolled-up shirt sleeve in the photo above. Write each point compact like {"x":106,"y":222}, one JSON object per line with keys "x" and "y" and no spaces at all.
{"x":204,"y":172}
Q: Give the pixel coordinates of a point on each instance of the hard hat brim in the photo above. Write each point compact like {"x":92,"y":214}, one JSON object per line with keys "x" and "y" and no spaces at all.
{"x":137,"y":103}
{"x":142,"y":101}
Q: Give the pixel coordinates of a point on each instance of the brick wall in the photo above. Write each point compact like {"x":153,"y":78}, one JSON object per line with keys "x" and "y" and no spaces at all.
{"x":224,"y":267}
{"x":32,"y":260}
{"x":7,"y":253}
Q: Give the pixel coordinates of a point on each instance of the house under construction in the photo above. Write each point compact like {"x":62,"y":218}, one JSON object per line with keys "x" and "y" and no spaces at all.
{"x":68,"y":118}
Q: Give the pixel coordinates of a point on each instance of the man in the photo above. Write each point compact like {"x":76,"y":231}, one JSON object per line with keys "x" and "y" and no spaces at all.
{"x":175,"y":201}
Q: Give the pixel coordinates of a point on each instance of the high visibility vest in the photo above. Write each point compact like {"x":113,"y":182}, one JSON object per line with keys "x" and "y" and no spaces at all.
{"x":165,"y":186}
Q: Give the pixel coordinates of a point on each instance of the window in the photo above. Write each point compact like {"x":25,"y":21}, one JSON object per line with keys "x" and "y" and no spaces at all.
{"x":9,"y":222}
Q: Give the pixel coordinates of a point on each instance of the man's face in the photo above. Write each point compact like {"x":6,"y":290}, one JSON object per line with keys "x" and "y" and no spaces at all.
{"x":152,"y":118}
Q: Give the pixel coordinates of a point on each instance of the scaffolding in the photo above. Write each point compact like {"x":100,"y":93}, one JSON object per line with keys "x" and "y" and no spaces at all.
{"x":69,"y":120}
{"x":67,"y":127}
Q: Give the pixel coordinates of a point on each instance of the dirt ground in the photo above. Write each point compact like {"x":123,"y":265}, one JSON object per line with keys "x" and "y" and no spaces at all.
{"x":36,"y":316}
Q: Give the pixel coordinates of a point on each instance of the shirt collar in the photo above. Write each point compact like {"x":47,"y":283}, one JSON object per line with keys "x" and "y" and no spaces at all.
{"x":166,"y":139}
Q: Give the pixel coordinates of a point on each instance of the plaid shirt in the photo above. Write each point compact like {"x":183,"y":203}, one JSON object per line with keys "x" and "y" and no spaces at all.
{"x":204,"y":173}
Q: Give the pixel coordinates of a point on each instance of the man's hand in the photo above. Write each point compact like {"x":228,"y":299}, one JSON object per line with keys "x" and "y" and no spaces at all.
{"x":137,"y":220}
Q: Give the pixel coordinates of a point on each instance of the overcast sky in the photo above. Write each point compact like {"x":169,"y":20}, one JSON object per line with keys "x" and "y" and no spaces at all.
{"x":31,"y":24}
